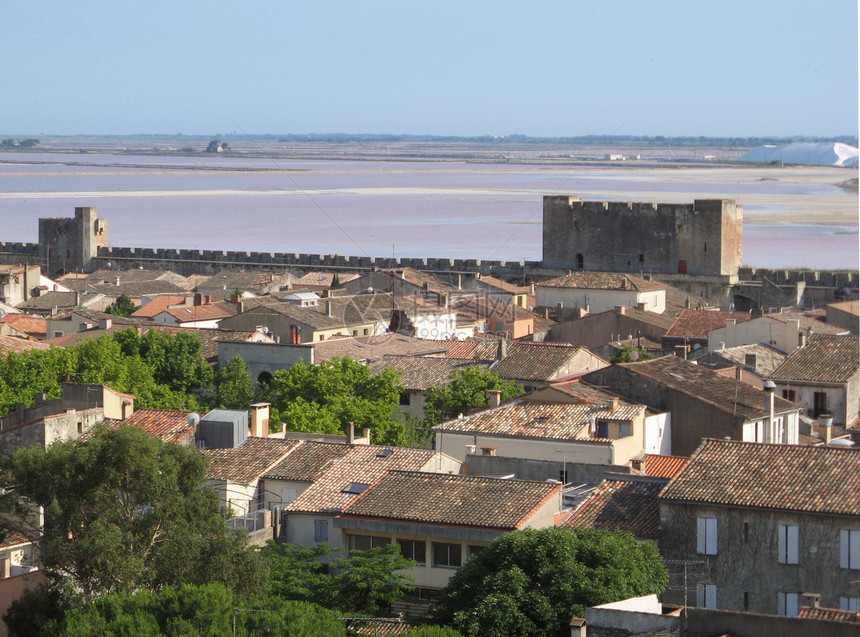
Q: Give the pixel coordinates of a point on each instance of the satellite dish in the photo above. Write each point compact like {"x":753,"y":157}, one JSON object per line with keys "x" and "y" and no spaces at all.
{"x":193,"y":419}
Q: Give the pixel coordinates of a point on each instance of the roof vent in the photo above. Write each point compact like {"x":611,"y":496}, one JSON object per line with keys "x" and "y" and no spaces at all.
{"x":356,"y":487}
{"x":384,"y":453}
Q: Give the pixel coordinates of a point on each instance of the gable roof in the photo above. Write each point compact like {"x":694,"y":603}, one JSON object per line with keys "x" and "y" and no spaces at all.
{"x":212,"y":311}
{"x":171,"y":425}
{"x":248,"y":461}
{"x":484,"y":307}
{"x":159,"y":304}
{"x":767,"y":357}
{"x":626,"y":505}
{"x":363,"y":464}
{"x":813,"y":321}
{"x":727,"y":394}
{"x":420,"y":372}
{"x":540,"y":420}
{"x":369,"y":348}
{"x":308,"y":461}
{"x":20,"y":345}
{"x":472,"y":348}
{"x":824,"y":359}
{"x":441,"y":498}
{"x":602,"y":281}
{"x":422,"y":280}
{"x":31,"y":324}
{"x":658,"y":466}
{"x":770,"y":476}
{"x":501,"y":284}
{"x":697,"y":323}
{"x":323,"y":280}
{"x":535,"y":361}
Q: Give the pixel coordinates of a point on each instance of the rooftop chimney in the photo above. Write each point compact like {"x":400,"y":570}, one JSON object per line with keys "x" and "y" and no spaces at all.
{"x":750,"y":360}
{"x":494,"y":397}
{"x":350,"y":433}
{"x":620,"y":309}
{"x":502,"y":350}
{"x":260,"y":420}
{"x":613,"y":404}
{"x":769,"y":389}
{"x":825,"y":428}
{"x":328,"y":308}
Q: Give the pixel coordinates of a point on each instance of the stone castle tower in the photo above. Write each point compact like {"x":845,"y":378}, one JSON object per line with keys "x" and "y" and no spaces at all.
{"x":703,"y":238}
{"x":69,"y":244}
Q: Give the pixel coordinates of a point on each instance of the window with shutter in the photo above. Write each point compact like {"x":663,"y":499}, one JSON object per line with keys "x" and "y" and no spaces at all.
{"x":849,"y":549}
{"x":706,"y":595}
{"x":706,"y":536}
{"x":788,"y":604}
{"x":788,"y":547}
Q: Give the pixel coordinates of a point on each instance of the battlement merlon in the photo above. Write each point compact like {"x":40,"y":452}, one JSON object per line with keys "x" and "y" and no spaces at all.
{"x":703,"y":237}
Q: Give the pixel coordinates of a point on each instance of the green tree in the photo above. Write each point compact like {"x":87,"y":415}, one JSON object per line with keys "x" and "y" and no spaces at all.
{"x":466,"y":390}
{"x":628,"y":353}
{"x":531,"y":582}
{"x":208,"y":610}
{"x":364,"y":582}
{"x":324,"y":397}
{"x":125,"y":512}
{"x":123,"y":306}
{"x":234,"y":388}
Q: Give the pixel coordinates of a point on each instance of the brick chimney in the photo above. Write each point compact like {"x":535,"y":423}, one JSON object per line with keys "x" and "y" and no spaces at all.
{"x":825,"y":428}
{"x":620,"y":309}
{"x":494,"y":397}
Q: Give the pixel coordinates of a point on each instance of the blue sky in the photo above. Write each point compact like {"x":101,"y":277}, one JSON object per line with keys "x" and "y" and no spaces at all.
{"x":447,"y":68}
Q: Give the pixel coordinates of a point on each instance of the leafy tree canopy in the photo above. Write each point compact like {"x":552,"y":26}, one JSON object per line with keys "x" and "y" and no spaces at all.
{"x":466,"y":390}
{"x":234,"y":388}
{"x":323,"y":398}
{"x":628,"y":354}
{"x":531,"y":582}
{"x":364,"y":582}
{"x":126,"y":512}
{"x":123,"y":306}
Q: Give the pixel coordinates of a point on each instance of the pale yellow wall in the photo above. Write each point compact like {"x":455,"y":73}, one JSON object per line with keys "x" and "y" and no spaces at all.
{"x":601,"y":300}
{"x":454,"y":445}
{"x":783,"y":336}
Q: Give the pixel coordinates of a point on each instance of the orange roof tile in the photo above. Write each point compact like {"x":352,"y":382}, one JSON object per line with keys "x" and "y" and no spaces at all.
{"x":626,"y":505}
{"x":664,"y":466}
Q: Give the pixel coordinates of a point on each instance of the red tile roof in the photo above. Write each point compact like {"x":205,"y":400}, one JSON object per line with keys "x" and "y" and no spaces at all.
{"x":624,"y":505}
{"x":248,"y":461}
{"x":441,"y":498}
{"x":31,"y":324}
{"x":158,"y":305}
{"x":527,"y":361}
{"x":824,"y":359}
{"x":815,"y":323}
{"x":664,"y":466}
{"x":20,"y":345}
{"x":823,"y":480}
{"x":363,"y":464}
{"x":420,"y":372}
{"x":602,"y":281}
{"x":171,"y":425}
{"x":308,"y":461}
{"x":830,"y":614}
{"x":697,"y":323}
{"x":553,"y":421}
{"x":485,"y":349}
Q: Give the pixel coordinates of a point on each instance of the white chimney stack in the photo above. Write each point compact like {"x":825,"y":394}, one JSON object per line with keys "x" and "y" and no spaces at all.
{"x":769,"y":389}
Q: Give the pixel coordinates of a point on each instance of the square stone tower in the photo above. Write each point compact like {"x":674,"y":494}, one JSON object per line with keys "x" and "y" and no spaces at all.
{"x":70,"y":244}
{"x":704,"y":238}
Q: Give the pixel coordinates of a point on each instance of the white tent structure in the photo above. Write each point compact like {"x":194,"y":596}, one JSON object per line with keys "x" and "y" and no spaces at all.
{"x":805,"y":153}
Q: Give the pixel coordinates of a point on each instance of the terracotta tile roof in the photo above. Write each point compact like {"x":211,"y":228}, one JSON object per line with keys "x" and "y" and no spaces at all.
{"x":308,"y":461}
{"x":697,"y":323}
{"x":13,"y":538}
{"x":376,"y":627}
{"x":192,"y":281}
{"x":134,"y":289}
{"x":534,"y":361}
{"x":158,"y":305}
{"x":830,"y":614}
{"x":370,"y":348}
{"x":549,"y":421}
{"x":20,"y":345}
{"x":50,"y":300}
{"x":767,"y":358}
{"x":31,"y":324}
{"x":248,"y":461}
{"x":363,"y":464}
{"x":484,"y":349}
{"x":503,"y":285}
{"x":601,"y":281}
{"x":624,"y":505}
{"x":133,"y":275}
{"x":168,"y":424}
{"x":485,"y":308}
{"x":705,"y":384}
{"x":441,"y":498}
{"x":324,"y":279}
{"x":202,"y":312}
{"x":585,"y":394}
{"x":360,"y":309}
{"x":420,"y":278}
{"x":247,"y":281}
{"x":825,"y":359}
{"x":664,"y":466}
{"x":678,"y":300}
{"x":807,"y":479}
{"x":420,"y":372}
{"x":261,"y":305}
